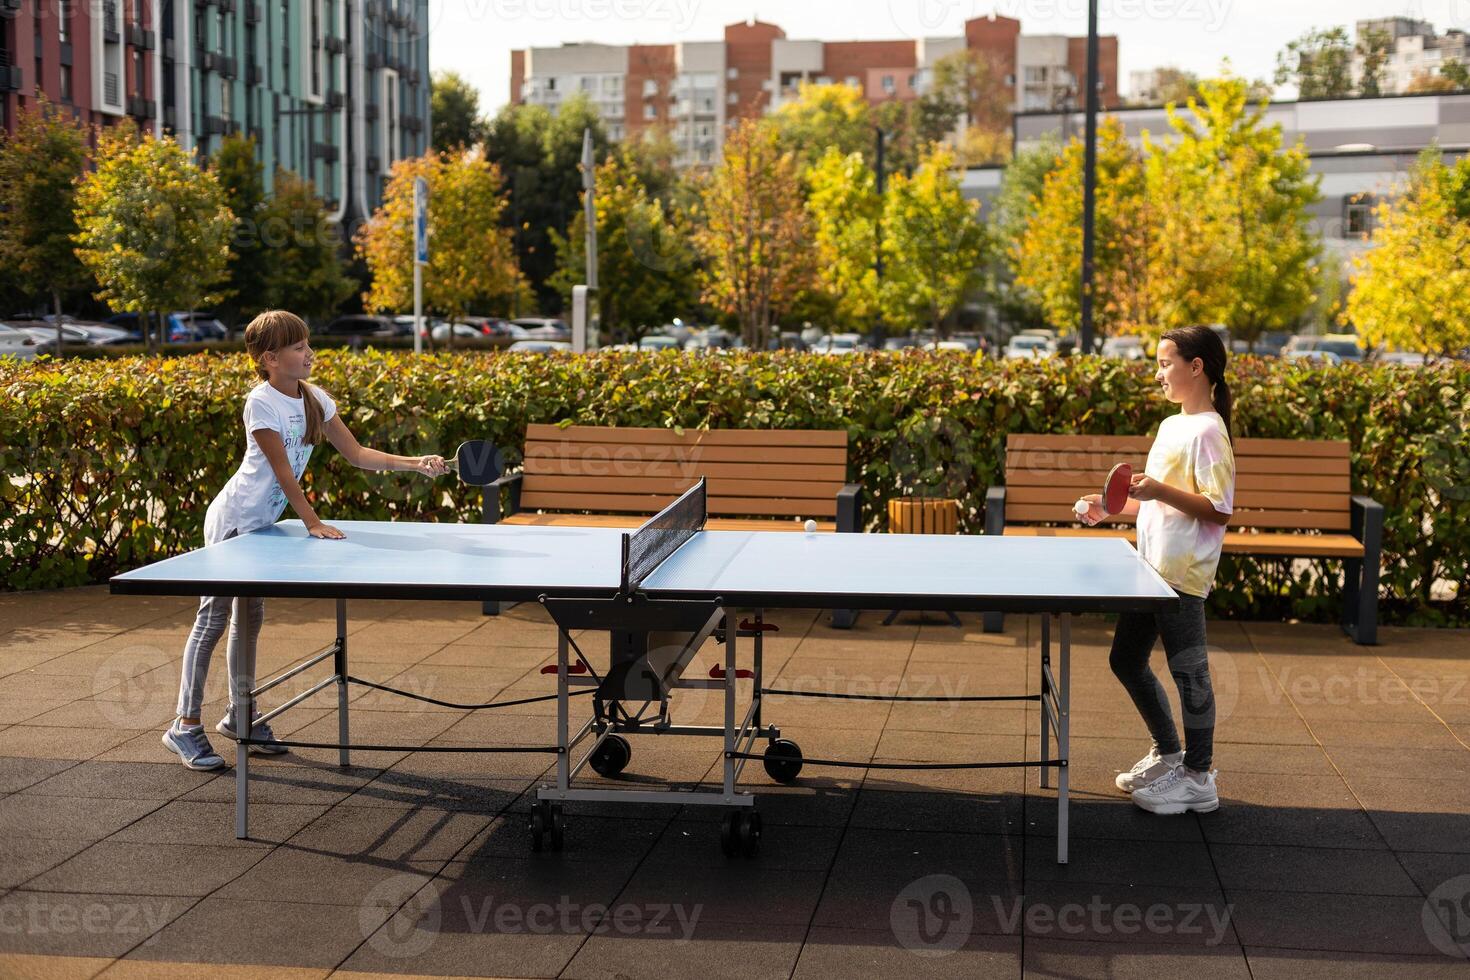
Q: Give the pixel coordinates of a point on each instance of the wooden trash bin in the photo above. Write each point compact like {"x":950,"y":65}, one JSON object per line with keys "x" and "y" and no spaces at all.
{"x":923,"y":515}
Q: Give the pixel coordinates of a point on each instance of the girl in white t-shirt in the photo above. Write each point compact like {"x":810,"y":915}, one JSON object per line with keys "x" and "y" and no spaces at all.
{"x":1183,"y":501}
{"x":285,"y":418}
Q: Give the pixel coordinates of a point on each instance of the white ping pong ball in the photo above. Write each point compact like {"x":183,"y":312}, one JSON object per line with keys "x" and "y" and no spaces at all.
{"x":1081,"y":507}
{"x":810,"y":526}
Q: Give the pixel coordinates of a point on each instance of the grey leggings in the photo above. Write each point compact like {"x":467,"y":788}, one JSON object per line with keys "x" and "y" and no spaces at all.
{"x":215,"y":613}
{"x":1183,"y":633}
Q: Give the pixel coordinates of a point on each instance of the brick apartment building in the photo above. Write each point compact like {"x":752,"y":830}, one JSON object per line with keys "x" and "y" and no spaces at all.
{"x":696,"y":89}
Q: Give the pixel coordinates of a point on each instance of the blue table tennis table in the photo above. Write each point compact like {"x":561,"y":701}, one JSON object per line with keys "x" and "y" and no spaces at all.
{"x":660,"y":593}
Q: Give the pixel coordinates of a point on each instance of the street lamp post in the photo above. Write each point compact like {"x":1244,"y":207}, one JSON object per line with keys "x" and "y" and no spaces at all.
{"x":1089,"y":180}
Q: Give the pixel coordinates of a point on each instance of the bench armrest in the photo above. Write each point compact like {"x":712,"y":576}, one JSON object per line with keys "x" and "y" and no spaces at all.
{"x":490,"y":503}
{"x":850,"y":507}
{"x":995,"y":510}
{"x":1366,"y":521}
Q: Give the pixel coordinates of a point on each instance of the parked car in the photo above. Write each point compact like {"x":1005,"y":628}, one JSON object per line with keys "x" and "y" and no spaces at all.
{"x":539,"y":346}
{"x":712,"y":339}
{"x":657,"y":341}
{"x":900,"y":343}
{"x":1405,"y":358}
{"x":182,"y":327}
{"x":786,"y":340}
{"x":364,"y":326}
{"x":1027,"y":345}
{"x":496,"y":328}
{"x":958,"y":346}
{"x":1127,"y":348}
{"x":544,"y":328}
{"x":462,"y":331}
{"x":17,"y":343}
{"x":42,"y":337}
{"x":839,"y":343}
{"x":1319,"y":357}
{"x":1268,"y":344}
{"x":1343,"y":345}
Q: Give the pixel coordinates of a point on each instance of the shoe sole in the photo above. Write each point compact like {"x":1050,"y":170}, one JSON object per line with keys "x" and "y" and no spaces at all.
{"x":189,"y":765}
{"x":1174,"y":809}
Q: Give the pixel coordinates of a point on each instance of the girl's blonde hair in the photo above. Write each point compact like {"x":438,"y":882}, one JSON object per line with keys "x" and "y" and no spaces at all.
{"x":270,"y":331}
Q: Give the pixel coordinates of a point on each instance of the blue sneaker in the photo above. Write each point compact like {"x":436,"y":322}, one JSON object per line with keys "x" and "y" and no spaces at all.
{"x":192,"y":747}
{"x":260,"y":731}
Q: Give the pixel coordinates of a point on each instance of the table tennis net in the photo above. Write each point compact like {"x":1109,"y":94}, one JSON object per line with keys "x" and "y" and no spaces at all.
{"x":661,"y":535}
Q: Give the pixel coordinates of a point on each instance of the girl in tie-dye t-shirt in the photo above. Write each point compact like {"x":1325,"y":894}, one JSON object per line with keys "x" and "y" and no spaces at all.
{"x":1182,"y":500}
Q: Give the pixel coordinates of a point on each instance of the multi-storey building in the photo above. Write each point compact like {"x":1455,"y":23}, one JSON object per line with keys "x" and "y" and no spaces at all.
{"x":695,"y":89}
{"x":1415,"y":51}
{"x":330,"y":89}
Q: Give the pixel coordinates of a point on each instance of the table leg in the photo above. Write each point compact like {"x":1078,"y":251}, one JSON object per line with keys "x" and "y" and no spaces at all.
{"x":730,"y":722}
{"x":1064,"y":724}
{"x":243,"y":711}
{"x":563,"y":688}
{"x":1045,"y":692}
{"x":339,"y":665}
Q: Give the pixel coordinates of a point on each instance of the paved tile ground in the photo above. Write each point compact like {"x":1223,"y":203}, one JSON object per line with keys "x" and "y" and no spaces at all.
{"x":1342,"y":848}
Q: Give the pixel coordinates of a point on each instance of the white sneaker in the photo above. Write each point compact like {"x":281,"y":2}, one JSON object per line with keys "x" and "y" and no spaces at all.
{"x":1147,"y":769}
{"x":192,"y":747}
{"x":1179,"y":792}
{"x":260,"y":732}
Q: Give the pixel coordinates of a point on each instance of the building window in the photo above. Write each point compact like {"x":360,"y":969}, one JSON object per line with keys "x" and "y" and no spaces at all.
{"x":66,"y":83}
{"x":63,"y":21}
{"x":586,"y":83}
{"x":888,"y":84}
{"x":649,"y":112}
{"x":226,"y":100}
{"x":137,"y":73}
{"x":732,"y":99}
{"x":650,"y":88}
{"x":1357,"y":216}
{"x":732,"y":73}
{"x":551,"y":84}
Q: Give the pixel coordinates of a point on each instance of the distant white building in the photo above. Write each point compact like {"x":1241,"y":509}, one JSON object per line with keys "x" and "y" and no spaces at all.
{"x":1415,"y":50}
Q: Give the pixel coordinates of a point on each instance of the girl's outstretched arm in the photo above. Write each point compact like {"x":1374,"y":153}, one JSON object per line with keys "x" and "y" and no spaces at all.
{"x":269,"y":441}
{"x":371,"y":459}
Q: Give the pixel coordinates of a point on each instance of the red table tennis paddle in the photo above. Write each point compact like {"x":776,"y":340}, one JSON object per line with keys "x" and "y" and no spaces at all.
{"x":1115,"y":491}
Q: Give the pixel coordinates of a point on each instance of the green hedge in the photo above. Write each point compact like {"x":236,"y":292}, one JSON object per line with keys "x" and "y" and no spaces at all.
{"x":113,"y":463}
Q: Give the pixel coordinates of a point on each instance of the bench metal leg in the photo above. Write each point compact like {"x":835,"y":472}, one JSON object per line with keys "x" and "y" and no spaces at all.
{"x":994,"y":622}
{"x":1360,"y":577}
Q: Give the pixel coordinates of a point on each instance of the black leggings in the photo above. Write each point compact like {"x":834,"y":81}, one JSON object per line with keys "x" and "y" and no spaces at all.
{"x":1183,"y":633}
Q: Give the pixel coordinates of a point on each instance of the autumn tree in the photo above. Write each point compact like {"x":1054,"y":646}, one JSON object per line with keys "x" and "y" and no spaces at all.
{"x":1236,"y":238}
{"x":454,"y":107}
{"x":821,"y":117}
{"x":844,"y":207}
{"x":241,"y":179}
{"x":755,"y":236}
{"x":1047,"y":257}
{"x":152,"y":226}
{"x":39,"y":167}
{"x":1412,"y":290}
{"x":933,"y":245}
{"x":472,"y":264}
{"x":305,"y":270}
{"x":1319,"y":63}
{"x":645,"y":262}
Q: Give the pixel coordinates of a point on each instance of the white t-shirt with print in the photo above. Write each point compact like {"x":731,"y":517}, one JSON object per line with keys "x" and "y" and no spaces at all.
{"x":252,"y":498}
{"x":1192,"y":453}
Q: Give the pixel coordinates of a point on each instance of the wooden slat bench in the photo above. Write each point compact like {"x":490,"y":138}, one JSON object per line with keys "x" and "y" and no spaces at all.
{"x":603,"y":476}
{"x":1293,"y":497}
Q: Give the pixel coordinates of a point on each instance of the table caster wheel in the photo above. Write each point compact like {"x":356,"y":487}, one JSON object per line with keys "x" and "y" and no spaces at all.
{"x":611,"y":757}
{"x":548,"y":827}
{"x":783,"y":760}
{"x":750,"y":834}
{"x":730,"y":832}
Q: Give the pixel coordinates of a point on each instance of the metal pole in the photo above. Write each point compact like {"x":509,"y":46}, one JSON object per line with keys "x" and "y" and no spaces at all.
{"x":589,"y":183}
{"x":1089,"y":180}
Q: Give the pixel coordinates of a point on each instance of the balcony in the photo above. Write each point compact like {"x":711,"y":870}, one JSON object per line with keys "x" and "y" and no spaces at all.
{"x":254,"y":75}
{"x":373,"y":61}
{"x":141,"y":107}
{"x":325,"y":151}
{"x":370,"y":113}
{"x":253,"y":13}
{"x":215,"y":126}
{"x":372,"y":165}
{"x":226,"y":6}
{"x":336,"y":100}
{"x":11,"y":78}
{"x":109,"y":24}
{"x":335,"y":45}
{"x":412,"y":124}
{"x":139,"y":38}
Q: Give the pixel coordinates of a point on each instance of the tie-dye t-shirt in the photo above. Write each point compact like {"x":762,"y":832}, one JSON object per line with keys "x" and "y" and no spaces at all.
{"x":1191,"y":452}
